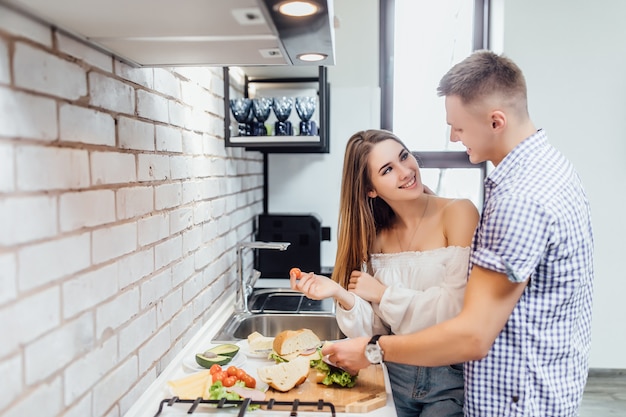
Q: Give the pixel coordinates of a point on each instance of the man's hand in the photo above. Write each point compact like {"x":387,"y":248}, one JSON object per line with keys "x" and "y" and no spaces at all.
{"x":348,"y":354}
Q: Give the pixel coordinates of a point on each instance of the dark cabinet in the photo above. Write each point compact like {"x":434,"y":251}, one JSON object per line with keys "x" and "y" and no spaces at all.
{"x":294,"y":141}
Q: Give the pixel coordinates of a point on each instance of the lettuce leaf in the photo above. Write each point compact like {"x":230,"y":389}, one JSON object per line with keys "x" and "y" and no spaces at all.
{"x":217,"y":391}
{"x":334,"y":375}
{"x":276,"y":358}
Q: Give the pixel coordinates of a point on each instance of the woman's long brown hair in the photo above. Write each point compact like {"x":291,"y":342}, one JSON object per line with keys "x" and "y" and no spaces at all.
{"x":360,"y":217}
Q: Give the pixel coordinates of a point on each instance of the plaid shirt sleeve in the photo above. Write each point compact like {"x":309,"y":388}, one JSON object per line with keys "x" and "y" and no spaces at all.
{"x":513,"y":236}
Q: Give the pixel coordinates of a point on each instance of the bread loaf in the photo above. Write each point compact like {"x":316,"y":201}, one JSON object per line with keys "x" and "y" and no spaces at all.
{"x":294,"y":341}
{"x":285,"y":375}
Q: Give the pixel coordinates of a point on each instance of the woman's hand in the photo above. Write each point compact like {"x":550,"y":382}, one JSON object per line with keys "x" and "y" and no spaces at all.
{"x":366,"y":286}
{"x":316,"y":287}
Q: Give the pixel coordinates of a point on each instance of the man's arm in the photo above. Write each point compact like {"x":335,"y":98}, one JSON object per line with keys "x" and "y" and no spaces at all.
{"x":489,"y":300}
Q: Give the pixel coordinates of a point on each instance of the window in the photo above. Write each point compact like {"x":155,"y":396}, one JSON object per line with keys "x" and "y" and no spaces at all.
{"x":421,"y":40}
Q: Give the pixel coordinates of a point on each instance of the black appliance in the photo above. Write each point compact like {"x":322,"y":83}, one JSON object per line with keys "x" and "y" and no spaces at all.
{"x":303,"y":231}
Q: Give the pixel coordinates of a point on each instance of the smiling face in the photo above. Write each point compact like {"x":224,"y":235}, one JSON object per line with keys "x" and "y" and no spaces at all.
{"x":473,"y":127}
{"x":394,"y":172}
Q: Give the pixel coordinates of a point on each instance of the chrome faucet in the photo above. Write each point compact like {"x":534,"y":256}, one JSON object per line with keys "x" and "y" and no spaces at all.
{"x":243,"y":288}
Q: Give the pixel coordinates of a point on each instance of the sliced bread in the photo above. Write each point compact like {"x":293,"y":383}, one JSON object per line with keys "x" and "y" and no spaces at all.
{"x":294,"y":341}
{"x":286,"y":375}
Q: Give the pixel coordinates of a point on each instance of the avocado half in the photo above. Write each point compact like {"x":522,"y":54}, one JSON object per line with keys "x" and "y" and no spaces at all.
{"x":220,"y":355}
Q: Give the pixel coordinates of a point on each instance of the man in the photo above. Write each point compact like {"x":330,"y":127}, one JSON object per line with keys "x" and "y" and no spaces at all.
{"x":524,"y":329}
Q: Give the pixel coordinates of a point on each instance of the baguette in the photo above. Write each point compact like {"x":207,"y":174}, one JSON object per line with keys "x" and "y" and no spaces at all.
{"x":291,"y":342}
{"x":285,"y":375}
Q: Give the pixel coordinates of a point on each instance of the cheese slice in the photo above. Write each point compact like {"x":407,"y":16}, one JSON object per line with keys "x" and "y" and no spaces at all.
{"x":190,"y":387}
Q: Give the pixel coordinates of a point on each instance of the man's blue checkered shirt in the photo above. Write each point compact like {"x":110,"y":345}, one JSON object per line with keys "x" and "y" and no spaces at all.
{"x":535,"y":224}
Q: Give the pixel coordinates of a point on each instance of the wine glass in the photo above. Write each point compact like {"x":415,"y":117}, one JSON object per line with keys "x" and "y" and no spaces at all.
{"x":250,"y":128}
{"x":282,"y":109}
{"x":241,"y":108}
{"x":262,"y":107}
{"x":305,"y":107}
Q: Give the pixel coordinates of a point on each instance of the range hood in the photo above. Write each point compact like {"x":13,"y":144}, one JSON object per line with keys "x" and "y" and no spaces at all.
{"x":192,"y":32}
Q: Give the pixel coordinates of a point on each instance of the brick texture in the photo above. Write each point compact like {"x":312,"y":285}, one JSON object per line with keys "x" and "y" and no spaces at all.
{"x":120,"y":208}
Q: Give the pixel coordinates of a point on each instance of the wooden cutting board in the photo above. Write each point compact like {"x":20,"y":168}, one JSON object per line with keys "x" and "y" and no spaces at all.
{"x":368,"y":394}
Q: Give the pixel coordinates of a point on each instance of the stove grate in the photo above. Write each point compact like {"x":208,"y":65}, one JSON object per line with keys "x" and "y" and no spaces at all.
{"x":246,"y":402}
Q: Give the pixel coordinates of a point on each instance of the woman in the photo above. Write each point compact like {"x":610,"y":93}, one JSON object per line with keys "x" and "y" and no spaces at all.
{"x":401,"y":264}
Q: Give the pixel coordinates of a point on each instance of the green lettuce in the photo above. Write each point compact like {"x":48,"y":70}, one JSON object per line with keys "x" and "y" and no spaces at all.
{"x":217,"y":391}
{"x":334,"y":375}
{"x":276,"y":358}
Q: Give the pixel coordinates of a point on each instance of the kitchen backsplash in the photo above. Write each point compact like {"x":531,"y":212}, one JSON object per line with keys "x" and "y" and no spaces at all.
{"x":120,"y":208}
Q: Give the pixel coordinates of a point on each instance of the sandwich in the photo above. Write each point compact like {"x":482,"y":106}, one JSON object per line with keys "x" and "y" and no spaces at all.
{"x":284,"y":376}
{"x":291,"y":344}
{"x":327,"y":373}
{"x":295,"y":353}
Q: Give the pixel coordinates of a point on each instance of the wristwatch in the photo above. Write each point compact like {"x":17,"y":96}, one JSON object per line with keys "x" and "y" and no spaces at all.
{"x":373,"y":351}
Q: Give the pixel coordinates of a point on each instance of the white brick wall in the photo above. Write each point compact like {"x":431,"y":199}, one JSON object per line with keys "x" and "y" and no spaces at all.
{"x":25,"y":219}
{"x":78,"y":124}
{"x":39,"y":70}
{"x":5,"y":76}
{"x":135,"y":134}
{"x":27,"y":116}
{"x":51,"y":168}
{"x":85,"y":209}
{"x":119,"y":211}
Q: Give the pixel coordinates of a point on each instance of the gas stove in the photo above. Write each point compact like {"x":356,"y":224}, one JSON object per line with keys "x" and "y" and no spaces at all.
{"x":176,"y":407}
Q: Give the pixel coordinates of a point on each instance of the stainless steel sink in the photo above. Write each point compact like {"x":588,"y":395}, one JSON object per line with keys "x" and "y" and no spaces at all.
{"x":239,"y":326}
{"x":281,"y":300}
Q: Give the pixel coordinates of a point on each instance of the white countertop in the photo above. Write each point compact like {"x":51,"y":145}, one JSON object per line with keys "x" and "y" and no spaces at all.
{"x":147,"y":405}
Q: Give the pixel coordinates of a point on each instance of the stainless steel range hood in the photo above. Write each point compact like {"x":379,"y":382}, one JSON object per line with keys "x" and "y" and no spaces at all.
{"x":191,"y":32}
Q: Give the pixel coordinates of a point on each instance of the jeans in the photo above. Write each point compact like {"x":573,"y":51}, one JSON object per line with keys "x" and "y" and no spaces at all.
{"x":427,"y":391}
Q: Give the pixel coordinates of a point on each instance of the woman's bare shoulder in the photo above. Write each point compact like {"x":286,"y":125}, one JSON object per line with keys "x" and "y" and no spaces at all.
{"x":459,"y":204}
{"x":456,"y":206}
{"x":460,"y":217}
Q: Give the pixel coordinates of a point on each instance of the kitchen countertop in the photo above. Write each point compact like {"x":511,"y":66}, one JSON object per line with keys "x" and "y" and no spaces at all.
{"x":147,"y":405}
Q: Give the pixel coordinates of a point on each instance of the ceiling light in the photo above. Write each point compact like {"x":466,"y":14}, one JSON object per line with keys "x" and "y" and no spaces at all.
{"x":312,"y":57}
{"x":298,"y":8}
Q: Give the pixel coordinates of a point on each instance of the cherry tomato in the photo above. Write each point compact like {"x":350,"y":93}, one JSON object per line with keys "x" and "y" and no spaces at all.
{"x":249,"y":381}
{"x":240,"y":374}
{"x":215,"y":368}
{"x":229,"y":381}
{"x":219,"y":376}
{"x":295,"y":271}
{"x":232,"y":370}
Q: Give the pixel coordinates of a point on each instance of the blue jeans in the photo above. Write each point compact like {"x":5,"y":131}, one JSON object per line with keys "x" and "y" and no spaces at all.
{"x":427,"y":392}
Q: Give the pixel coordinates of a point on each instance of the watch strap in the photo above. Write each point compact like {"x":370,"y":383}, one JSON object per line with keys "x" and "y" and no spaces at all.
{"x":374,"y":339}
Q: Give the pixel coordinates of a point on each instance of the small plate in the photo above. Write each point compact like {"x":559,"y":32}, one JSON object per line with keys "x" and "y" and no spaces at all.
{"x":191,"y":365}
